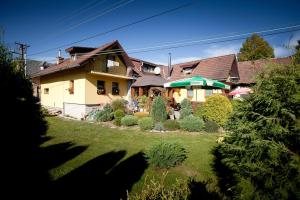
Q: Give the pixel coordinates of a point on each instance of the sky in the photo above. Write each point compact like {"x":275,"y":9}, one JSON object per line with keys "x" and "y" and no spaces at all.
{"x":50,"y":24}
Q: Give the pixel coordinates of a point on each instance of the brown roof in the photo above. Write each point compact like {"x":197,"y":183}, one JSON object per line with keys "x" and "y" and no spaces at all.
{"x":218,"y":68}
{"x":149,"y":80}
{"x":81,"y":60}
{"x":249,"y":69}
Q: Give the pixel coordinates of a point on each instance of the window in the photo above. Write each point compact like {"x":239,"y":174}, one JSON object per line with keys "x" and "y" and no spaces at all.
{"x":46,"y":90}
{"x":190,"y":93}
{"x":100,"y":87}
{"x":71,"y":87}
{"x":208,"y":92}
{"x":115,"y":88}
{"x":111,"y":61}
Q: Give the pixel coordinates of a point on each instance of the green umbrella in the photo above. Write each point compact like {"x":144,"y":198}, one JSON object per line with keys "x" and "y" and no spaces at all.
{"x":197,"y":81}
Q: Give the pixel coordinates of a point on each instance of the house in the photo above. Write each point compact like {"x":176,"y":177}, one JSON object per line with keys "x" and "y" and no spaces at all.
{"x":249,"y":69}
{"x":89,"y":78}
{"x":221,"y":68}
{"x":150,"y":78}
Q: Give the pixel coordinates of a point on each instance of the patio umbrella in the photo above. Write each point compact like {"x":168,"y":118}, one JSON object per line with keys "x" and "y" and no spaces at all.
{"x":242,"y":90}
{"x":197,"y":81}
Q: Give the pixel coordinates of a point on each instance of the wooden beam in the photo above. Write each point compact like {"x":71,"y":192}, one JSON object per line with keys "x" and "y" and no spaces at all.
{"x":141,"y":91}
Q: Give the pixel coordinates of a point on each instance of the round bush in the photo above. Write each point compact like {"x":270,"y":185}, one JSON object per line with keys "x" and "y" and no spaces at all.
{"x":217,"y":108}
{"x":186,"y":108}
{"x":211,"y":127}
{"x":191,"y":123}
{"x":158,"y":110}
{"x":199,"y":111}
{"x":118,"y":104}
{"x":118,"y":114}
{"x":146,"y":123}
{"x":171,"y":125}
{"x":129,"y":120}
{"x":166,"y":155}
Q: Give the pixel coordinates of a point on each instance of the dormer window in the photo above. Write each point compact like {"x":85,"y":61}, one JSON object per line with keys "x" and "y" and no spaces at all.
{"x":73,"y":57}
{"x":111,"y":61}
{"x":148,"y":68}
{"x":187,"y":70}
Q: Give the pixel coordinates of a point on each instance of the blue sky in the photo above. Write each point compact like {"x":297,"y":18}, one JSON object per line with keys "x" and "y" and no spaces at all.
{"x":49,"y":24}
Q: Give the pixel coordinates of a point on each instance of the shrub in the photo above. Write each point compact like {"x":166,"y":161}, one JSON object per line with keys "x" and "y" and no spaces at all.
{"x":217,"y":108}
{"x":118,"y":104}
{"x":186,"y":108}
{"x":158,"y":111}
{"x":211,"y":127}
{"x":166,"y":155}
{"x":171,"y":125}
{"x":141,"y":114}
{"x":191,"y":123}
{"x":143,"y":102}
{"x":159,"y":126}
{"x":106,"y":114}
{"x":118,"y":114}
{"x":129,"y":120}
{"x":146,"y":123}
{"x":199,"y":111}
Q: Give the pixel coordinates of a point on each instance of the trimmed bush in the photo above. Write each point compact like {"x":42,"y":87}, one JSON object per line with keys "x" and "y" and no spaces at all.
{"x":129,"y":120}
{"x":191,"y":123}
{"x":171,"y":125}
{"x":106,"y":114}
{"x":141,"y":114}
{"x":118,"y":114}
{"x":217,"y":108}
{"x":158,"y":111}
{"x":118,"y":104}
{"x":159,"y":126}
{"x":166,"y":155}
{"x":199,"y":111}
{"x":186,"y":108}
{"x":146,"y":123}
{"x":211,"y":127}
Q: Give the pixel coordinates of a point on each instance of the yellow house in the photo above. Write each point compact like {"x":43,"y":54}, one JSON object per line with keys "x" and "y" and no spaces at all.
{"x":88,"y":78}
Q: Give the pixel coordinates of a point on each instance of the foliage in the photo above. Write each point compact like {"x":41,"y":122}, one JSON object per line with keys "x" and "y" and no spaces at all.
{"x":146,"y":123}
{"x":255,"y":47}
{"x":143,"y":102}
{"x":211,"y":127}
{"x":171,"y":125}
{"x":141,"y":114}
{"x":159,"y":126}
{"x":118,"y":114}
{"x":217,"y":108}
{"x":129,"y":120}
{"x":118,"y":104}
{"x":259,"y":158}
{"x":296,"y":56}
{"x":158,"y":111}
{"x":166,"y":155}
{"x":191,"y":123}
{"x":155,"y":189}
{"x":199,"y":111}
{"x":106,"y":114}
{"x":22,"y":130}
{"x":186,"y":108}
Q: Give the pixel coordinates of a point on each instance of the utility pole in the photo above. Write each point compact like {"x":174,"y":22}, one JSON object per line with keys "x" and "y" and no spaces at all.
{"x":23,"y":54}
{"x":169,"y":65}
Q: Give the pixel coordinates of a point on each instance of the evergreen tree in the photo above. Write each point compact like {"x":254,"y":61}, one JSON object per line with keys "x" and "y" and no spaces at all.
{"x":158,"y":110}
{"x":259,"y":157}
{"x":255,"y":48}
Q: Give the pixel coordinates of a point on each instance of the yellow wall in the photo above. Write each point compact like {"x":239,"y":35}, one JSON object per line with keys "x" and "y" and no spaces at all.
{"x":198,"y":94}
{"x":58,"y":85}
{"x":91,"y":89}
{"x":100,"y":63}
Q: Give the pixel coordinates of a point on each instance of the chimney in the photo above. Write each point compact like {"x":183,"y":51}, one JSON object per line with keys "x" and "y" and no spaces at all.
{"x":59,"y":58}
{"x":169,"y":66}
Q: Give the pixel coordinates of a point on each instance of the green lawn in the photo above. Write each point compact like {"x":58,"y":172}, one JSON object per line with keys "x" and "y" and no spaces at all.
{"x":80,"y":148}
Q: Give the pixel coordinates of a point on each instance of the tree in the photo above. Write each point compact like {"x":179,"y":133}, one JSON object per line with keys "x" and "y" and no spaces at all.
{"x":158,"y":110}
{"x":22,"y":128}
{"x":296,"y":56}
{"x":259,"y":157}
{"x":255,"y":48}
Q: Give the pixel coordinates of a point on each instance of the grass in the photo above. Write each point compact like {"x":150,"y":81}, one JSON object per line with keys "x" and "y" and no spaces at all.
{"x":87,"y":141}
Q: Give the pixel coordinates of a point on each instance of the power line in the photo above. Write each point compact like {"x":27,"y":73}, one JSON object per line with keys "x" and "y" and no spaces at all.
{"x":195,"y":42}
{"x":115,"y":29}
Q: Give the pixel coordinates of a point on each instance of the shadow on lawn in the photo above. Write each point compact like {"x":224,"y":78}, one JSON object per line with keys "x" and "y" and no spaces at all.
{"x":104,"y":177}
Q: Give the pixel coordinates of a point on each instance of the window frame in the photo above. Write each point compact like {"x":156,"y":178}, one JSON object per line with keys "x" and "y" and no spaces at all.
{"x":71,"y":87}
{"x":115,"y":91}
{"x":101,"y":91}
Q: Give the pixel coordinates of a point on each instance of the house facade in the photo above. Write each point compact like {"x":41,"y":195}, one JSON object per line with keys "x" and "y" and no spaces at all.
{"x":221,"y":68}
{"x":89,"y":78}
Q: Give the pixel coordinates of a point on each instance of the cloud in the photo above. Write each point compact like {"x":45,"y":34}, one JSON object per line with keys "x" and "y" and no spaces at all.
{"x":219,"y":50}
